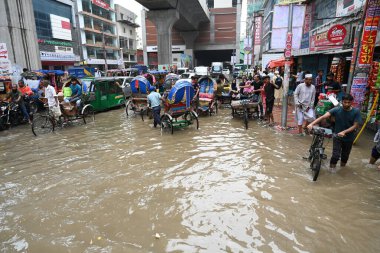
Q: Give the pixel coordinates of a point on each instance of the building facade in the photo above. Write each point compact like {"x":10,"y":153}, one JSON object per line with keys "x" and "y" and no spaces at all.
{"x":127,"y":36}
{"x":18,"y":40}
{"x":98,"y":36}
{"x":57,"y":33}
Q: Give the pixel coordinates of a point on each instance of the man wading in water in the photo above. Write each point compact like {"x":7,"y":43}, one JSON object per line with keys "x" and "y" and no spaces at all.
{"x":347,"y":120}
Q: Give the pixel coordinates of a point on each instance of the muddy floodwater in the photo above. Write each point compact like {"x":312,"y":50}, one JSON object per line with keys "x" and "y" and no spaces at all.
{"x":117,"y":185}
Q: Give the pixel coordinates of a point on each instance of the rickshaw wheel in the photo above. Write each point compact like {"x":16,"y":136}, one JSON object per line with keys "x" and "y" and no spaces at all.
{"x":190,"y":117}
{"x":128,"y":107}
{"x":88,"y":114}
{"x":216,"y":106}
{"x":42,"y":124}
{"x":246,"y":118}
{"x":166,"y":124}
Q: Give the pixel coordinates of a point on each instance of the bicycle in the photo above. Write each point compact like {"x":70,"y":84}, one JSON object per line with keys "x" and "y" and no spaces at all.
{"x":317,"y":149}
{"x":45,"y":123}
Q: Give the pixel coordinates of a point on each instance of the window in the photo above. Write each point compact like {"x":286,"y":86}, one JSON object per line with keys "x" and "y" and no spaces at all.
{"x":124,"y":30}
{"x":130,"y":44}
{"x":121,"y":16}
{"x":210,"y":4}
{"x":130,"y":32}
{"x":42,"y":11}
{"x":234,"y":3}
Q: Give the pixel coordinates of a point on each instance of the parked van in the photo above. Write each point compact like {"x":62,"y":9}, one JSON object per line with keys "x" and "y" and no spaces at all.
{"x":201,"y":71}
{"x":217,"y":67}
{"x":180,"y":71}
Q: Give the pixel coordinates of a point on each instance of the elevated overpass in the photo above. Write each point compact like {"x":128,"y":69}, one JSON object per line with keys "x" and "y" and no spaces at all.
{"x":184,"y":15}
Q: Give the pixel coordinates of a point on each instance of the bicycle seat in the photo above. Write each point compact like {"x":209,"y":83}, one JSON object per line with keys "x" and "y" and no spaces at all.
{"x":323,"y":131}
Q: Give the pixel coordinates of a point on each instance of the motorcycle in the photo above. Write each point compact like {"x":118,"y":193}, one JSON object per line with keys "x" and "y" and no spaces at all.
{"x":10,"y":115}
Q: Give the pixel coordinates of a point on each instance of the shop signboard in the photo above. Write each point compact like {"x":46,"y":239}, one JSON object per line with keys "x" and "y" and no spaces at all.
{"x":345,"y":7}
{"x":305,"y":41}
{"x":336,"y":34}
{"x":320,"y":42}
{"x":3,"y":51}
{"x":358,"y":89}
{"x":258,"y":25}
{"x":5,"y":66}
{"x":101,"y":4}
{"x":247,"y":51}
{"x":55,"y":56}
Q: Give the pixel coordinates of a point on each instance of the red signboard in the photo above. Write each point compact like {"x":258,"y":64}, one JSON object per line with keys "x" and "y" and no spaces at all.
{"x":100,"y":3}
{"x":336,"y":33}
{"x":368,"y":40}
{"x":65,"y":25}
{"x":320,"y":42}
{"x":288,"y":45}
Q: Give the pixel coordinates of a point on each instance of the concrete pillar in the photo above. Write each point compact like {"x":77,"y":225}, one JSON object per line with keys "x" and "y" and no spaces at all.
{"x":18,"y":31}
{"x":164,"y":21}
{"x":238,"y":19}
{"x":143,"y":28}
{"x":189,"y":38}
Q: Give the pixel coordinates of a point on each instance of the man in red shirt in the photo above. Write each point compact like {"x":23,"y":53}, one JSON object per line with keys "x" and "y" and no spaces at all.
{"x":25,"y":90}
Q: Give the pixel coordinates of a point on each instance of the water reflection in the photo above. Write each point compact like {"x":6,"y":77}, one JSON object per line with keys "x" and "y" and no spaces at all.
{"x":110,"y":187}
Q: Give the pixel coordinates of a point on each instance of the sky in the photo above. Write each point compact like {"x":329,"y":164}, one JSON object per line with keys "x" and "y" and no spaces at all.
{"x":135,"y":7}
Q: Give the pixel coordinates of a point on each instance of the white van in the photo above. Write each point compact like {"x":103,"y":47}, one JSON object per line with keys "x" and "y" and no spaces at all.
{"x":180,"y":71}
{"x":201,"y":71}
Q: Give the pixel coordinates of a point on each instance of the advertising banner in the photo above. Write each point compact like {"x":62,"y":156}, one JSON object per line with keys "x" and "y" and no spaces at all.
{"x":365,"y":52}
{"x":5,"y":66}
{"x":320,"y":42}
{"x":280,"y":26}
{"x":3,"y":51}
{"x":248,"y":51}
{"x":345,"y":7}
{"x":61,"y":27}
{"x":358,"y":89}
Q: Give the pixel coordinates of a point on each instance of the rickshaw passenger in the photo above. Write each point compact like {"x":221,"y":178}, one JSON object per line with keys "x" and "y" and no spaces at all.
{"x":195,"y":84}
{"x":25,"y":90}
{"x":15,"y":96}
{"x":154,"y":100}
{"x":76,"y":90}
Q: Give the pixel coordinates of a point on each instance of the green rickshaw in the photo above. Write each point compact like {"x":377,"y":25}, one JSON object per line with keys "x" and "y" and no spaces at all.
{"x":106,"y":93}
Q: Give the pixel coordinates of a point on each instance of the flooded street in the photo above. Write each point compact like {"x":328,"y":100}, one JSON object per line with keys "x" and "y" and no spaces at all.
{"x":110,"y":187}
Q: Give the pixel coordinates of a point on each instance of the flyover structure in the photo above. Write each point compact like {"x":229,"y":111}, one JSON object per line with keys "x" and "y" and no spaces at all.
{"x":185,"y":16}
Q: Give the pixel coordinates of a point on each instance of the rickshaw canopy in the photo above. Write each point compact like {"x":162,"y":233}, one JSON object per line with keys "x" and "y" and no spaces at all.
{"x":140,"y":84}
{"x":182,"y":91}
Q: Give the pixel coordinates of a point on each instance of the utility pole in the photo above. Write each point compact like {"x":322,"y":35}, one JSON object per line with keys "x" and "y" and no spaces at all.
{"x":288,"y":54}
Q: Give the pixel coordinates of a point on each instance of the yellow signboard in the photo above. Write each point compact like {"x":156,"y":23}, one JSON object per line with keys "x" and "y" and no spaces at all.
{"x":290,"y":1}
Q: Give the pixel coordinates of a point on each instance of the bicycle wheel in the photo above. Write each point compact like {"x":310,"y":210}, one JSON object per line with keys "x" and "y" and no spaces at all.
{"x":166,"y":124}
{"x":316,"y":165}
{"x":42,"y":124}
{"x":88,"y":114}
{"x":246,"y":118}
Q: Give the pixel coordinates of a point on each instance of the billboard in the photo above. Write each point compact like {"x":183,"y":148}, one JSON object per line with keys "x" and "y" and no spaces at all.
{"x":258,"y":25}
{"x":345,"y":7}
{"x":280,"y":26}
{"x":61,"y":27}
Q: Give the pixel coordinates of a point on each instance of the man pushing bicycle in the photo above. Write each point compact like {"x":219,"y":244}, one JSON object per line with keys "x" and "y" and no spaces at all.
{"x":347,"y":120}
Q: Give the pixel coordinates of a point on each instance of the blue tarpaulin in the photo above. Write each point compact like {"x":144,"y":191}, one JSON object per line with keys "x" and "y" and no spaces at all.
{"x":140,"y":85}
{"x":182,"y":91}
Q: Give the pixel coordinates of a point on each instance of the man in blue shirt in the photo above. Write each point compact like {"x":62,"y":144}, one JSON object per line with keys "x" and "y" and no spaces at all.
{"x":76,"y":92}
{"x":154,"y":100}
{"x":347,"y":120}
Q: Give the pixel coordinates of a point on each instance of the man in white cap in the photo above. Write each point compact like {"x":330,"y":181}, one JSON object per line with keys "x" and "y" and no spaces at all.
{"x":277,"y":80}
{"x":304,"y":97}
